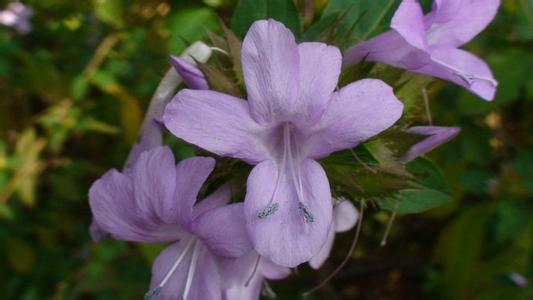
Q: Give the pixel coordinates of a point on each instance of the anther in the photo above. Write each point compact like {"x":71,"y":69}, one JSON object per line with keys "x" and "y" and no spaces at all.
{"x":308,"y":217}
{"x":153,"y":293}
{"x":267,"y":211}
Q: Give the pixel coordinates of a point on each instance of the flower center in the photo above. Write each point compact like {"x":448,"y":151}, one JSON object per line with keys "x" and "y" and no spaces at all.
{"x":289,"y":169}
{"x":192,"y":245}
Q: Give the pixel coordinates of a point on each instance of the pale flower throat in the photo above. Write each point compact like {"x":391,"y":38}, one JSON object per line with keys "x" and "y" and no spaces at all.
{"x":193,"y":245}
{"x":290,"y":167}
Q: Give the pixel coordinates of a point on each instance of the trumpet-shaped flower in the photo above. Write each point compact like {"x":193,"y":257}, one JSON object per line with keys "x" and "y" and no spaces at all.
{"x":151,"y":131}
{"x":155,"y":203}
{"x":293,"y":116}
{"x":428,"y":44}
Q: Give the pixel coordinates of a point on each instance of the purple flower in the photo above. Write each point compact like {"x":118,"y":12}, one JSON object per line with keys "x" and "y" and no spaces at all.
{"x":292,"y":117}
{"x":151,"y":132}
{"x":154,"y":202}
{"x":192,"y":76}
{"x":345,"y":217}
{"x":429,"y":44}
{"x":17,"y":15}
{"x":246,"y":276}
{"x":437,"y":135}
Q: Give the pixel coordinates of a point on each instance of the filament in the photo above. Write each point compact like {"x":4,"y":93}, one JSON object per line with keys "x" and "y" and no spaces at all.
{"x":191,"y":271}
{"x":178,"y":261}
{"x":389,"y":225}
{"x":343,"y":263}
{"x":254,"y":270}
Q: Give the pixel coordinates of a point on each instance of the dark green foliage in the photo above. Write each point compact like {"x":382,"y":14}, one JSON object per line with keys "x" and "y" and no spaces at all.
{"x":74,"y":90}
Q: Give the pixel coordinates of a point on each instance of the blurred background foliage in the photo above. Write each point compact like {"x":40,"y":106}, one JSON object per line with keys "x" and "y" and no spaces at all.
{"x":72,"y":96}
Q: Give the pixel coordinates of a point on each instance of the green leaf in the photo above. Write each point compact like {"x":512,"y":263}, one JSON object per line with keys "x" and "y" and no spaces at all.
{"x":234,"y":45}
{"x":412,"y":201}
{"x":109,"y":12}
{"x":20,"y":255}
{"x":375,"y":16}
{"x":431,"y":190}
{"x":249,"y":11}
{"x":218,"y":80}
{"x":428,"y":174}
{"x":511,"y":221}
{"x":460,"y":248}
{"x":188,"y":25}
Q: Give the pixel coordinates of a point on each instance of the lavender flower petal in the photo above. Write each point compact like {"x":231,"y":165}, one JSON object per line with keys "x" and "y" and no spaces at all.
{"x":217,"y":122}
{"x":270,"y":62}
{"x":298,"y":229}
{"x":436,"y":136}
{"x":192,"y":76}
{"x":427,"y":44}
{"x":223,"y":231}
{"x":356,"y":112}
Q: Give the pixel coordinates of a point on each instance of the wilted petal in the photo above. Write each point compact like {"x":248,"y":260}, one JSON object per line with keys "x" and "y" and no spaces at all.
{"x":462,"y":68}
{"x":456,"y":22}
{"x":287,"y":228}
{"x":436,"y":136}
{"x":191,"y":74}
{"x":223,"y":231}
{"x":191,"y":174}
{"x":320,"y":67}
{"x":216,"y":122}
{"x":271,"y":64}
{"x":357,"y":112}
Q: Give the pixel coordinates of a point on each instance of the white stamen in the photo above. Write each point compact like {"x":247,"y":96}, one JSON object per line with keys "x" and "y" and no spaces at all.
{"x":216,"y":49}
{"x":178,"y":261}
{"x":296,"y":178}
{"x":389,"y":225}
{"x":191,"y":271}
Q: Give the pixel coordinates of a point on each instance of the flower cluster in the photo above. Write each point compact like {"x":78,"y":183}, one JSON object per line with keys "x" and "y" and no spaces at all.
{"x":17,"y":15}
{"x":294,"y":114}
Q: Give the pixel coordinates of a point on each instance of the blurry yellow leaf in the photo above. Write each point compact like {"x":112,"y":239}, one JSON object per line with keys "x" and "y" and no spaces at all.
{"x":131,"y":113}
{"x":6,"y":212}
{"x":109,"y":12}
{"x":27,"y":151}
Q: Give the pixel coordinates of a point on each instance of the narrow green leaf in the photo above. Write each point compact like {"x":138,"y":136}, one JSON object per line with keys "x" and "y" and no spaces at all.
{"x":249,"y":11}
{"x":411,"y":201}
